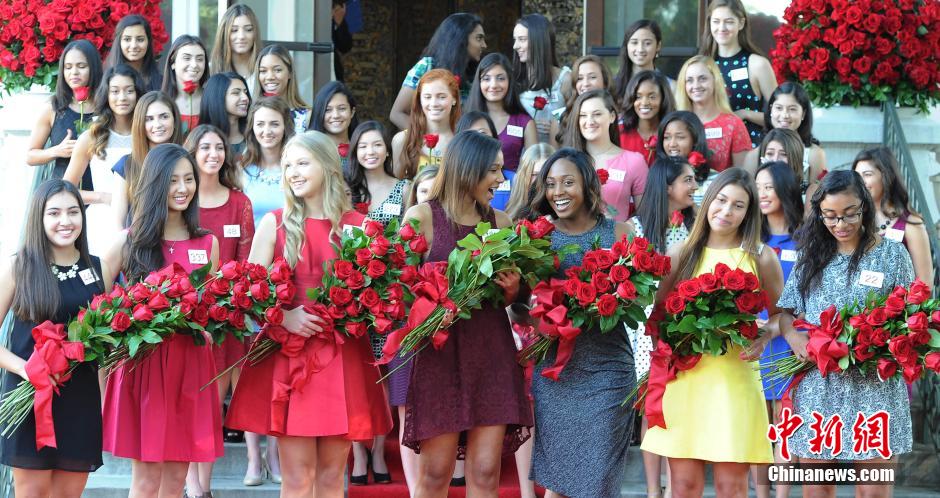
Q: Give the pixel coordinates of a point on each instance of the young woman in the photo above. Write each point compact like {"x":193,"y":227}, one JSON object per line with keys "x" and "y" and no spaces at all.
{"x":670,"y":186}
{"x":452,"y":389}
{"x":50,"y":278}
{"x":225,"y":102}
{"x":747,"y":73}
{"x":237,"y":42}
{"x":107,"y":141}
{"x":478,"y":121}
{"x":434,"y":110}
{"x":642,"y":42}
{"x":155,"y":412}
{"x":156,"y":121}
{"x":729,"y":427}
{"x":648,"y":99}
{"x":535,"y":70}
{"x":495,"y":93}
{"x":79,"y":66}
{"x":702,"y":91}
{"x":457,"y":46}
{"x":523,"y":191}
{"x":340,"y":401}
{"x":680,"y":134}
{"x":588,"y":73}
{"x":781,"y":145}
{"x":334,"y":113}
{"x":579,"y":419}
{"x":186,"y":63}
{"x":276,"y":78}
{"x":838,"y":243}
{"x":596,"y":134}
{"x":894,"y":217}
{"x":133,"y":45}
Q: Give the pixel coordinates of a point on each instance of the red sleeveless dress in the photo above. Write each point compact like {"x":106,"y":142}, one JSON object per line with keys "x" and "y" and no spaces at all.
{"x":153,"y":408}
{"x":341,"y":396}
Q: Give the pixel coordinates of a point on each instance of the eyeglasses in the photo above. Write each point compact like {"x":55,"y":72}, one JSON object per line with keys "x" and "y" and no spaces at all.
{"x":849,"y":219}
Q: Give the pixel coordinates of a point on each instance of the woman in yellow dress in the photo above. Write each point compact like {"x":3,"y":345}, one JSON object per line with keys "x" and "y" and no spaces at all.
{"x":715,"y":411}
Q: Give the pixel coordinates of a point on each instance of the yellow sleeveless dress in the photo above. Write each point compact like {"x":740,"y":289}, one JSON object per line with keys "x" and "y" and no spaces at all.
{"x":715,"y":411}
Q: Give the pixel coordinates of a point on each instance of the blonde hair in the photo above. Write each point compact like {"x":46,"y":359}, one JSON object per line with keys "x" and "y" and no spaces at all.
{"x":683,"y":103}
{"x":335,"y":202}
{"x":519,"y":195}
{"x":221,"y":59}
{"x":424,"y":174}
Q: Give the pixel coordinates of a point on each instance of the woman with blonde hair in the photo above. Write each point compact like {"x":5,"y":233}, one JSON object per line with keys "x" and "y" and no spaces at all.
{"x":523,"y":190}
{"x":340,"y":401}
{"x":435,"y":110}
{"x":237,"y":42}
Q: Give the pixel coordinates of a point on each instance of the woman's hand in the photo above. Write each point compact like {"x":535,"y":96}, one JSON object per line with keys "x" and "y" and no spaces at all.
{"x":797,"y":342}
{"x":64,"y":148}
{"x":508,"y":280}
{"x":756,"y":349}
{"x":298,"y":321}
{"x":20,"y":369}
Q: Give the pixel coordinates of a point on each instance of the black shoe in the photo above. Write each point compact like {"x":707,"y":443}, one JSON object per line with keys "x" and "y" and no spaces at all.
{"x":458,"y":482}
{"x":380,"y":478}
{"x":359,"y":480}
{"x":233,"y":436}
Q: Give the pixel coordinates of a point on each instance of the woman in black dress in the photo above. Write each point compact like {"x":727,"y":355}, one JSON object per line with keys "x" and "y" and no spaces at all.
{"x":50,"y":278}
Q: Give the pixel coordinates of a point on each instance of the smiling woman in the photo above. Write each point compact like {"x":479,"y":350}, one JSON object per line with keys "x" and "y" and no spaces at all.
{"x":186,"y":71}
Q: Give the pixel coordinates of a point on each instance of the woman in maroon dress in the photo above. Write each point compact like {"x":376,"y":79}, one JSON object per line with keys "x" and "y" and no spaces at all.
{"x":340,"y":401}
{"x":154,"y":410}
{"x":473,"y":384}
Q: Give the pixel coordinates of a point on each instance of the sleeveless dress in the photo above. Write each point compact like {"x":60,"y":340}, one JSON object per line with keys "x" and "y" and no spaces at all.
{"x":512,"y":144}
{"x":100,"y":217}
{"x":737,"y":78}
{"x":340,"y":397}
{"x":785,"y":248}
{"x":474,"y":379}
{"x":715,"y":411}
{"x":76,"y":410}
{"x":65,"y":121}
{"x":154,"y":410}
{"x":581,"y":432}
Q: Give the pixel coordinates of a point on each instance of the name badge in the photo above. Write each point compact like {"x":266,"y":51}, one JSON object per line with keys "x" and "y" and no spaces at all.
{"x":712,"y":133}
{"x":894,"y":234}
{"x":391,"y":209}
{"x":231,"y":231}
{"x":514,"y":131}
{"x":738,"y":74}
{"x":504,"y":187}
{"x":348,"y":229}
{"x":88,"y":276}
{"x":617,"y":175}
{"x":788,"y":255}
{"x":870,"y":278}
{"x":198,"y":256}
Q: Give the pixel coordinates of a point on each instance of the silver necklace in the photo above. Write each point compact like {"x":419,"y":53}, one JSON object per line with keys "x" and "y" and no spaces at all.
{"x":63,"y":276}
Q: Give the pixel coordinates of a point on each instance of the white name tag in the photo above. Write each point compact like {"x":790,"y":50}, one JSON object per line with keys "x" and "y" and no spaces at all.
{"x":198,"y":256}
{"x":504,"y":187}
{"x":88,"y":276}
{"x":894,"y":234}
{"x":391,"y":209}
{"x":870,"y":278}
{"x":514,"y":131}
{"x":617,"y":175}
{"x":348,"y":229}
{"x":712,"y":133}
{"x":788,"y":255}
{"x":738,"y":74}
{"x":231,"y":231}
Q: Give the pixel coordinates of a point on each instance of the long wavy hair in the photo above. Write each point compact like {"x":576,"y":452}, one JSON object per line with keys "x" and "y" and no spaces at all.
{"x":229,"y":176}
{"x":573,"y":95}
{"x":787,"y":189}
{"x":709,"y":47}
{"x":322,"y":100}
{"x":593,"y":202}
{"x":291,"y":94}
{"x":667,"y":103}
{"x":100,"y":128}
{"x":37,"y":295}
{"x":695,"y":128}
{"x":536,"y":73}
{"x":466,"y":162}
{"x":750,"y":229}
{"x":476,"y":101}
{"x":448,"y":44}
{"x":212,"y":105}
{"x":653,"y":210}
{"x":222,"y":55}
{"x":418,"y":123}
{"x":792,"y":146}
{"x":252,"y":153}
{"x":169,"y":75}
{"x":626,"y":65}
{"x":335,"y":202}
{"x":143,"y":251}
{"x":354,"y":172}
{"x":63,"y":92}
{"x":572,"y":134}
{"x":523,"y":189}
{"x":720,"y":95}
{"x":895,"y":201}
{"x":140,"y":144}
{"x":815,"y":242}
{"x":149,"y":70}
{"x":805,"y":130}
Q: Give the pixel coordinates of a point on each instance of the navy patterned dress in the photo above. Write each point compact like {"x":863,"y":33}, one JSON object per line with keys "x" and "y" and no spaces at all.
{"x":737,"y":78}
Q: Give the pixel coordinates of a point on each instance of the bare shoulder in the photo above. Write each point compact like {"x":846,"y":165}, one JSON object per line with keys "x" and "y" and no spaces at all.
{"x":502,"y":219}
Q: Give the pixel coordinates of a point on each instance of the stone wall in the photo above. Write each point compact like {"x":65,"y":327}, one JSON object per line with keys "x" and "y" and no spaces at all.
{"x":370,"y":65}
{"x":568,"y":18}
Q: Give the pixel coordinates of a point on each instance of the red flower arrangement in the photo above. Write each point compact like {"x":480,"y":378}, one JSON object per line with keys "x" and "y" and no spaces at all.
{"x":861,"y":52}
{"x":33,"y":34}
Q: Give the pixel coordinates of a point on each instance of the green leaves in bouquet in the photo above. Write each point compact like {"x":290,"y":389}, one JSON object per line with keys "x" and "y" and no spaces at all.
{"x":97,"y":340}
{"x":199,"y":275}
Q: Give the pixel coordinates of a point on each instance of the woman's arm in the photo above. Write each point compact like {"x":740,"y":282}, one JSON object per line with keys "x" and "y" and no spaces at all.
{"x":119,"y":202}
{"x":422,"y":214}
{"x":400,"y":115}
{"x":37,"y":155}
{"x":113,"y":258}
{"x":262,"y":245}
{"x":9,"y":361}
{"x":530,"y":136}
{"x":398,"y":143}
{"x":918,"y":244}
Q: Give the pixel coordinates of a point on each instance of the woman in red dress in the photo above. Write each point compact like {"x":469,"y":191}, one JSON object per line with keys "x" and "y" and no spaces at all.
{"x":340,"y":401}
{"x":154,"y":410}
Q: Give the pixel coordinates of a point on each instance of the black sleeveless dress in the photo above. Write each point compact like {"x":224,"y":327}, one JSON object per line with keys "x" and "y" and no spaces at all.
{"x":76,"y":410}
{"x":65,"y":120}
{"x":737,"y":78}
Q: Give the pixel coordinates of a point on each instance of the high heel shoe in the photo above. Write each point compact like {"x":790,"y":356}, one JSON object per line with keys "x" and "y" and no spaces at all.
{"x":275,"y":478}
{"x":257,"y":480}
{"x":363,"y":479}
{"x":378,"y":477}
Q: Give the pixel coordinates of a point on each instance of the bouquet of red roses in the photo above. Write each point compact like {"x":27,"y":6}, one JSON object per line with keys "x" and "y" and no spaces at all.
{"x":706,"y":314}
{"x":612,"y":286}
{"x":893,"y":335}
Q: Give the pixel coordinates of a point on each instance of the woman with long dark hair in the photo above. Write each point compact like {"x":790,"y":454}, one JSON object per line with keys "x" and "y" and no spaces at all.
{"x":237,"y":42}
{"x":837,"y":244}
{"x":587,"y":73}
{"x":275,"y":77}
{"x":50,"y":277}
{"x":334,"y":113}
{"x":186,"y":63}
{"x":225,"y":103}
{"x":457,"y":46}
{"x":133,"y":45}
{"x":79,"y":66}
{"x":536,"y":72}
{"x":648,"y":99}
{"x":642,"y":42}
{"x":155,"y":412}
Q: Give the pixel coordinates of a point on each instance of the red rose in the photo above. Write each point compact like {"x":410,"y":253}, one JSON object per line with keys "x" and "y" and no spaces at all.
{"x":190,"y":87}
{"x":721,"y":270}
{"x":748,"y":330}
{"x":586,"y":295}
{"x":749,"y":302}
{"x":601,"y":282}
{"x":218,"y":314}
{"x":675,"y":303}
{"x":734,"y":280}
{"x":862,"y":352}
{"x":285,"y":292}
{"x":638,"y":245}
{"x":880,"y":336}
{"x":380,"y":246}
{"x":237,"y":319}
{"x":158,"y":302}
{"x":708,"y":282}
{"x":932,"y":361}
{"x":362,"y":207}
{"x":343,"y":150}
{"x":696,"y":159}
{"x":397,"y":255}
{"x":539,"y":103}
{"x":383,"y":325}
{"x":853,"y":15}
{"x":342,"y":269}
{"x":919,"y":292}
{"x":643,"y":261}
{"x":606,"y":305}
{"x":676,"y":218}
{"x":862,"y":65}
{"x":395,"y":310}
{"x":894,"y":306}
{"x":370,"y":299}
{"x":886,"y":368}
{"x":408,"y":274}
{"x":407,"y":232}
{"x":605,"y":259}
{"x":619,"y":273}
{"x":219,"y":287}
{"x":902,"y":348}
{"x":626,"y":290}
{"x":120,"y":322}
{"x":356,"y":329}
{"x":919,"y":338}
{"x":750,"y":282}
{"x":274,"y":315}
{"x":603,"y":176}
{"x":81,"y":93}
{"x":200,"y":314}
{"x":241,"y":301}
{"x":356,"y":281}
{"x":877,"y":317}
{"x":255,"y":272}
{"x":373,"y":228}
{"x":363,"y":256}
{"x":431,"y":140}
{"x":541,"y":227}
{"x":395,"y":292}
{"x":97,"y":301}
{"x":918,"y":322}
{"x":340,"y":296}
{"x":418,"y":244}
{"x":142,"y":313}
{"x":260,"y":291}
{"x":689,"y":289}
{"x":912,"y":372}
{"x":589,"y":262}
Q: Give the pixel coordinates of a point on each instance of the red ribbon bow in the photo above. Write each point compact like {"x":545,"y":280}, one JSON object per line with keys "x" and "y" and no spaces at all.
{"x":665,"y":365}
{"x":51,"y":357}
{"x":430,"y":292}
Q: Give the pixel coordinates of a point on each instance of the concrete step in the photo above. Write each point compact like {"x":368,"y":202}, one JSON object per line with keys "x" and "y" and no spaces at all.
{"x":117,"y":486}
{"x":232,"y":465}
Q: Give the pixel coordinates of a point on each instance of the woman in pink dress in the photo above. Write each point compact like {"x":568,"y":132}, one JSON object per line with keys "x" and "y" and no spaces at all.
{"x":340,"y":401}
{"x":154,"y":410}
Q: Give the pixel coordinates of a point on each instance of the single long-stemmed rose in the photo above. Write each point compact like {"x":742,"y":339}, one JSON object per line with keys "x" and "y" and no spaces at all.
{"x":430,"y":141}
{"x":189,"y":88}
{"x":81,"y":96}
